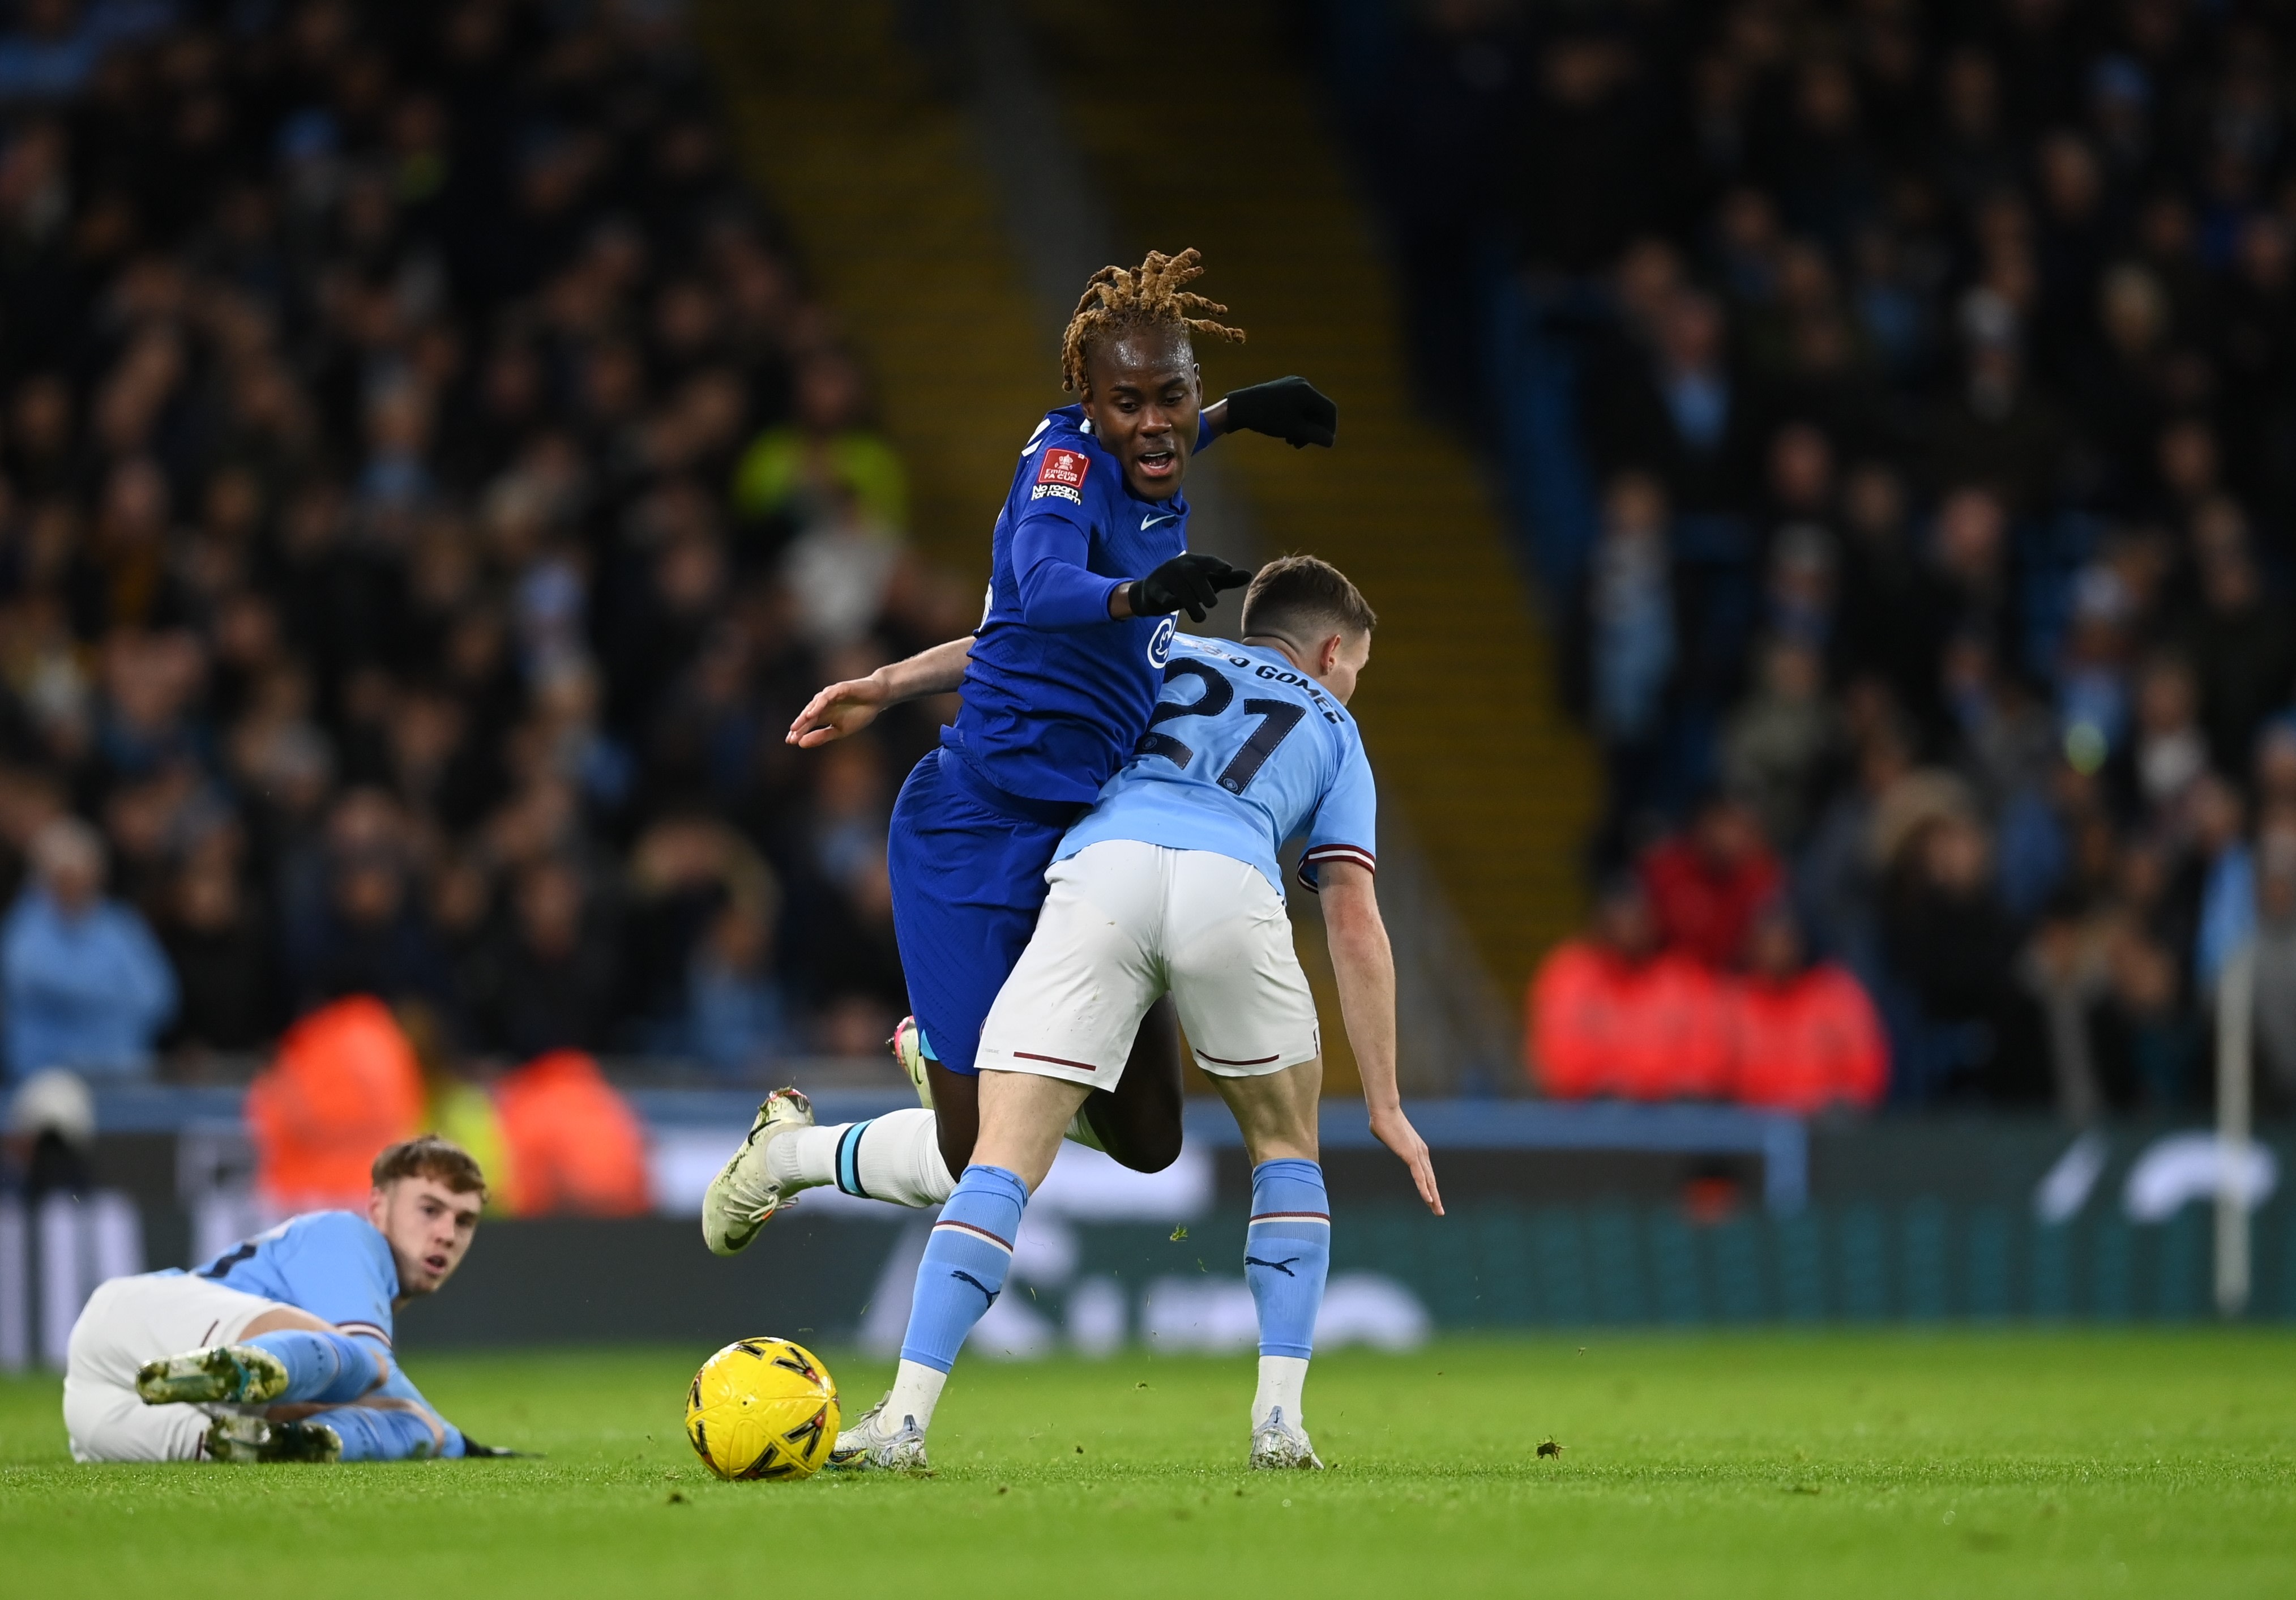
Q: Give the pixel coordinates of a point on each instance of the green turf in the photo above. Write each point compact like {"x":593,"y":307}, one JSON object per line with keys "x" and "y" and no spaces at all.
{"x":1866,"y":1466}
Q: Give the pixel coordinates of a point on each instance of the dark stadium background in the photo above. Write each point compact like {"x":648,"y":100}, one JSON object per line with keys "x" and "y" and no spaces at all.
{"x":1825,"y":471}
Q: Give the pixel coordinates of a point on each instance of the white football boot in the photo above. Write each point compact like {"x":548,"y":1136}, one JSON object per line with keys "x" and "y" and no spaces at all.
{"x":743,"y":1196}
{"x":230,"y":1374}
{"x":873,"y":1444}
{"x":240,"y":1439}
{"x":1280,"y":1444}
{"x":907,"y":1045}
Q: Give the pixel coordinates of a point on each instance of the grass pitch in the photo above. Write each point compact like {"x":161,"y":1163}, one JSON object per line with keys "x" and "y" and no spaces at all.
{"x":1758,"y":1464}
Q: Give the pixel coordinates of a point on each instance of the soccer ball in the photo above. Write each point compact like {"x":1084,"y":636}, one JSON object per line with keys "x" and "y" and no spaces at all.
{"x":762,"y":1408}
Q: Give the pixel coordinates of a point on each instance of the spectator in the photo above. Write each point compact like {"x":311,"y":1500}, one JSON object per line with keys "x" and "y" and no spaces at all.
{"x":549,"y":983}
{"x":1944,"y":934}
{"x":1887,"y":626}
{"x":2221,"y":871}
{"x":2150,"y":1040}
{"x":796,"y":473}
{"x":344,"y":1084}
{"x":372,"y":937}
{"x":364,"y":494}
{"x":1628,"y":660}
{"x":1685,"y":417}
{"x":2169,"y":752}
{"x":2064,"y":968}
{"x":575,"y":1145}
{"x":1779,"y":740}
{"x":1803,"y":1037}
{"x":2032,"y":282}
{"x":86,"y":985}
{"x":2243,"y":662}
{"x":1613,"y":1014}
{"x":738,"y":1018}
{"x":1705,"y":884}
{"x":221,"y":952}
{"x":2276,"y":972}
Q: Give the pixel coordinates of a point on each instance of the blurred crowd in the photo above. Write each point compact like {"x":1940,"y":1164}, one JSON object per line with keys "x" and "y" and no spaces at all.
{"x":427,"y":490}
{"x":1901,"y":401}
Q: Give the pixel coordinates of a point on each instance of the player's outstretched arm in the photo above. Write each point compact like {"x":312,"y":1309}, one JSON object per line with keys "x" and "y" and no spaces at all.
{"x":1290,"y":409}
{"x":1364,"y":963}
{"x":1190,"y":581}
{"x":845,"y":708}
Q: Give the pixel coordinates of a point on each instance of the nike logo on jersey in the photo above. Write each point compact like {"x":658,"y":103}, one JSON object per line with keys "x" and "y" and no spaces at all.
{"x":1148,"y":522}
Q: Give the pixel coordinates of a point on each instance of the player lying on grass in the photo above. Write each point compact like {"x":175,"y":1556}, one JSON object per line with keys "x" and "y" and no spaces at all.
{"x":280,"y":1350}
{"x":1171,"y":884}
{"x":1088,"y":566}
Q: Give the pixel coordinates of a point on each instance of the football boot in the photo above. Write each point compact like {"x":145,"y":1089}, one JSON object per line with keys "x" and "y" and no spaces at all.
{"x":228,"y":1375}
{"x":242,"y":1441}
{"x":908,"y":1047}
{"x":1280,"y":1444}
{"x":873,"y":1444}
{"x":743,"y":1196}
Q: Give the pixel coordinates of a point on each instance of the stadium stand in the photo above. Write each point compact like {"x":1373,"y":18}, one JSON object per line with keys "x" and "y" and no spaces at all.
{"x":1905,"y":452}
{"x":427,"y":483}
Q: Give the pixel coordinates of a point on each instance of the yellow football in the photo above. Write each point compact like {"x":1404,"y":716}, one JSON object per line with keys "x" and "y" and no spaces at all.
{"x":762,"y":1408}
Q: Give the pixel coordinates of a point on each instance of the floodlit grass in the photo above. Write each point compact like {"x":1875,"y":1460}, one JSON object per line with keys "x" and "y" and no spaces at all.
{"x":1866,"y":1465}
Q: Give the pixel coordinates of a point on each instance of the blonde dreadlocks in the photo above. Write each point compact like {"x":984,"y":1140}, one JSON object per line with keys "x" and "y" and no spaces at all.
{"x":1116,"y":301}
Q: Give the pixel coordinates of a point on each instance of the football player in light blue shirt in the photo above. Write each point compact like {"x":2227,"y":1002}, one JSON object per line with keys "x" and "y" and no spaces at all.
{"x":1171,"y":884}
{"x":280,"y":1348}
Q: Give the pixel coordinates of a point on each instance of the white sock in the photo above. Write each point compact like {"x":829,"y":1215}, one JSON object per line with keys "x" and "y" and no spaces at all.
{"x":1280,"y":1380}
{"x":895,"y":1157}
{"x":916,"y":1391}
{"x":806,"y":1158}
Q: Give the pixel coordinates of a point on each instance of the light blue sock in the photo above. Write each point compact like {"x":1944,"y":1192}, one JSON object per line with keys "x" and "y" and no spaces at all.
{"x":327,"y":1368}
{"x":965,"y":1261}
{"x":370,"y":1434}
{"x":1287,"y":1253}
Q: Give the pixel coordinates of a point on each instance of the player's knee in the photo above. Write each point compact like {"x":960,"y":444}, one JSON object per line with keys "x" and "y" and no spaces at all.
{"x":1150,"y":1153}
{"x":954,"y":1157}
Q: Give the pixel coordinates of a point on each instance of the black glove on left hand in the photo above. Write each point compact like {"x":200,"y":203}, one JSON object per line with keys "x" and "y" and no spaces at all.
{"x":1291,"y":409}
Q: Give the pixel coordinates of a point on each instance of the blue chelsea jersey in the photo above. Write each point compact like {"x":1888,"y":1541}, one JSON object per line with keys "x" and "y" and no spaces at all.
{"x":335,"y":1265}
{"x":1056,"y":692}
{"x":1244,"y":751}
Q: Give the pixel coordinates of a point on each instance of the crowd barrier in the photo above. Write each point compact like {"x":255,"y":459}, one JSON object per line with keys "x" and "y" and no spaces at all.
{"x":1561,"y":1217}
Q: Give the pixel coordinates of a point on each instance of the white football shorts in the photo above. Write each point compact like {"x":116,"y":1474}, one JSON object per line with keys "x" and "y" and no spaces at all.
{"x":1124,"y":923}
{"x":126,"y":1323}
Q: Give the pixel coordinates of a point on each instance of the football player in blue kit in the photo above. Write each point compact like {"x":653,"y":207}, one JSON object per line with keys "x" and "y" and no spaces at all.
{"x":1170,"y":884}
{"x":1089,"y":566}
{"x":281,"y":1349}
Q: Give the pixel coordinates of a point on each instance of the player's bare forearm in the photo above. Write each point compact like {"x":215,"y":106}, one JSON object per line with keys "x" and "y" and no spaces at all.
{"x":1363,"y":961}
{"x":842,"y":710}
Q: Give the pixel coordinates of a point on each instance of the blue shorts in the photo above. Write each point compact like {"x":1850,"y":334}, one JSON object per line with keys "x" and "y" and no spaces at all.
{"x":967,"y":863}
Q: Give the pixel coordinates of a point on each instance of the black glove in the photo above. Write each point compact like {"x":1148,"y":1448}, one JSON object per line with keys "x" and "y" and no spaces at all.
{"x":473,"y":1450}
{"x":1290,"y":408}
{"x":1190,"y":583}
